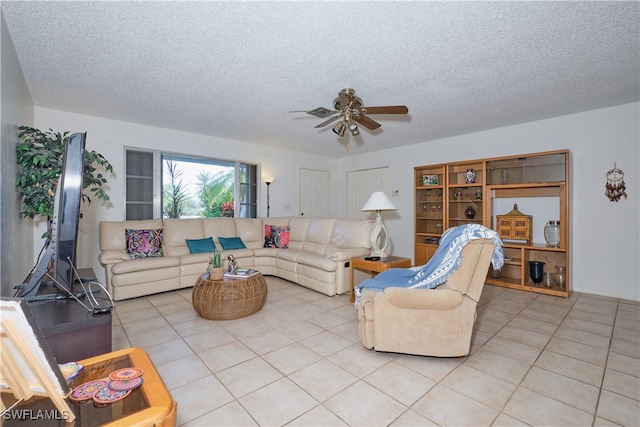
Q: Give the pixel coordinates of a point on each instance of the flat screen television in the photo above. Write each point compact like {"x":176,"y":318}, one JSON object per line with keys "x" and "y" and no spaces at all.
{"x":57,"y":266}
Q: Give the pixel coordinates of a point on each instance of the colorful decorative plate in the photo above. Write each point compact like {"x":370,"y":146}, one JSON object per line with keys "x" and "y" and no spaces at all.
{"x":124,"y":385}
{"x":85,"y":392}
{"x":125,"y":374}
{"x":70,"y":370}
{"x":106,"y":395}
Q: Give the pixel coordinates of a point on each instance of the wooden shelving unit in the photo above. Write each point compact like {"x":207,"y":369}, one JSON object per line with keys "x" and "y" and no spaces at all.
{"x":537,"y":175}
{"x":430,"y":210}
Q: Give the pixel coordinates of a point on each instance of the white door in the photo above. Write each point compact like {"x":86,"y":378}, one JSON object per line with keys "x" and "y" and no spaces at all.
{"x":360,"y":185}
{"x":313,"y":193}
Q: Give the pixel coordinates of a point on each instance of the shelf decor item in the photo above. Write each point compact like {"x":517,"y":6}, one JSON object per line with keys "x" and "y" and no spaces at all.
{"x":535,"y":271}
{"x":430,"y":180}
{"x":547,"y":280}
{"x":505,"y":176}
{"x":560,"y":276}
{"x":470,"y":212}
{"x":552,"y":233}
{"x":470,"y":176}
{"x":515,"y":225}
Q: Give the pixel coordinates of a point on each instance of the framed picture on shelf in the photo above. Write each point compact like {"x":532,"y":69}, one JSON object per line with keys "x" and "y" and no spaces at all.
{"x":430,"y":180}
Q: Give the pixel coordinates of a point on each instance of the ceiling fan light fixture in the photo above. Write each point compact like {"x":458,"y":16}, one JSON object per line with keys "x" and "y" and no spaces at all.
{"x":340,"y":129}
{"x":353,"y":128}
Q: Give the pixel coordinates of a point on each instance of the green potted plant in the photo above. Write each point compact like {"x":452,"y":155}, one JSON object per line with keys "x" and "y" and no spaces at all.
{"x":40,"y":158}
{"x":215,"y":266}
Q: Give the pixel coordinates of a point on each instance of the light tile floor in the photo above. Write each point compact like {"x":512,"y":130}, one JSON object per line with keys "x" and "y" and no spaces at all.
{"x":535,"y":360}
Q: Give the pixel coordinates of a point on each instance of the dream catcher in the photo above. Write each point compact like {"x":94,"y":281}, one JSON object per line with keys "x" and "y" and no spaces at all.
{"x":615,"y":184}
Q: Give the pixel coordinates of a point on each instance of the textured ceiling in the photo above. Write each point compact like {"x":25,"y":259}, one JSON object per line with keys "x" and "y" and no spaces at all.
{"x":233,"y":69}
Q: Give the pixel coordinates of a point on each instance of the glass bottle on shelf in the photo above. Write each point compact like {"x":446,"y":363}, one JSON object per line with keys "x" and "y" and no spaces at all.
{"x":547,"y":280}
{"x":560,"y":276}
{"x":552,"y":233}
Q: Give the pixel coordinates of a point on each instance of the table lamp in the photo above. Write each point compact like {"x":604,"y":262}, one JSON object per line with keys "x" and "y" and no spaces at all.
{"x":378,"y":202}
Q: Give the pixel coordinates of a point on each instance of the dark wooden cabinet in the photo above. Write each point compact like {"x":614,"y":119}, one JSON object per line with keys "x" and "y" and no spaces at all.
{"x":72,"y":332}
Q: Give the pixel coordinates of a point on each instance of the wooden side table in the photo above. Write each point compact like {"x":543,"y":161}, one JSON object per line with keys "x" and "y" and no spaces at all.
{"x":150,"y":404}
{"x":375,"y":267}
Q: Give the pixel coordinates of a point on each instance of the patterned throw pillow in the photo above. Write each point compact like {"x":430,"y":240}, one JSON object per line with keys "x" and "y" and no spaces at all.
{"x":144,"y":243}
{"x":276,"y":236}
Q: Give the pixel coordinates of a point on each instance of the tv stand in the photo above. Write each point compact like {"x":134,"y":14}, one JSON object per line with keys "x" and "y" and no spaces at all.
{"x":73,"y":332}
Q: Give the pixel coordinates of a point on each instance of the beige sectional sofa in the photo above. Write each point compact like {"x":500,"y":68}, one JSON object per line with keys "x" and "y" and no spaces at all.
{"x":317,"y":256}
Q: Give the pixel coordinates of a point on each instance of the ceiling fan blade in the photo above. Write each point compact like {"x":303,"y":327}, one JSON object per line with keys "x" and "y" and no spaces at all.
{"x":389,"y":109}
{"x":367,"y":122}
{"x":326,"y":122}
{"x":318,"y":112}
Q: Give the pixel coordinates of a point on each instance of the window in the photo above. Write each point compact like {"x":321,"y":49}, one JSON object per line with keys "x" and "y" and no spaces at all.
{"x":179,"y":186}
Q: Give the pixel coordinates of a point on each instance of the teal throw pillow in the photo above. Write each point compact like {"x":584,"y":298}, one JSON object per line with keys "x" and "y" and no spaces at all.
{"x":229,"y":243}
{"x":199,"y":246}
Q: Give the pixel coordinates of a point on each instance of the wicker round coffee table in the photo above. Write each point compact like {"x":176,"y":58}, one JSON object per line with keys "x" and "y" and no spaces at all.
{"x":229,"y":298}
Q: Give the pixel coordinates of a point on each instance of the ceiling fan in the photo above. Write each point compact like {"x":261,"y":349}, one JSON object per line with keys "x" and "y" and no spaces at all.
{"x":349,"y":109}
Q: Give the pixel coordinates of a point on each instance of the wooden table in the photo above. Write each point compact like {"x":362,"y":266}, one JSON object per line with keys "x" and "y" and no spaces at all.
{"x":229,"y":298}
{"x":375,"y":267}
{"x":150,"y":404}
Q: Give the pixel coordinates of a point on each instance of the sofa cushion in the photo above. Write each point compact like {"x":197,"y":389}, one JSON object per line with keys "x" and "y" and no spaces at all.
{"x":351,"y":233}
{"x":230,"y":243}
{"x":317,"y":261}
{"x":198,"y":246}
{"x":297,"y":231}
{"x":144,"y":243}
{"x":146,"y":264}
{"x":250,"y":231}
{"x":289,"y":255}
{"x":276,"y":236}
{"x":177,"y":231}
{"x":318,"y":235}
{"x":202,"y":258}
{"x":219,"y":227}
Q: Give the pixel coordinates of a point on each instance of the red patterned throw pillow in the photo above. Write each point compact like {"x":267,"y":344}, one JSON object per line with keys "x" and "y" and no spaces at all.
{"x":276,"y":236}
{"x":144,"y":243}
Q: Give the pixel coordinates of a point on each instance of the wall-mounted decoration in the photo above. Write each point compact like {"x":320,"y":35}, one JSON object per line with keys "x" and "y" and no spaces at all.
{"x":615,"y":184}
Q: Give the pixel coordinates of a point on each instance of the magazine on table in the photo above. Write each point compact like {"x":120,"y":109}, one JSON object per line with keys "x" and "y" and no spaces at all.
{"x":242,"y":272}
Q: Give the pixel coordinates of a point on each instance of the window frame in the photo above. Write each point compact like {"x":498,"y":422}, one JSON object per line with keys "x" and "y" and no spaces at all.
{"x":158,"y":157}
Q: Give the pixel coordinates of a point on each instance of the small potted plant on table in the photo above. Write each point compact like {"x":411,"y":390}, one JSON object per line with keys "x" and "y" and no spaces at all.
{"x":215,"y":266}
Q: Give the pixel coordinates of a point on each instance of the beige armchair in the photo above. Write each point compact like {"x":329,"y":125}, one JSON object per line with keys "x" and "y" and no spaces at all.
{"x":429,"y":322}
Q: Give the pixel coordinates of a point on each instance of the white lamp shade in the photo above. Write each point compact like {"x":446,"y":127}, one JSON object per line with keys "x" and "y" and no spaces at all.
{"x":378,"y":202}
{"x":269,"y":179}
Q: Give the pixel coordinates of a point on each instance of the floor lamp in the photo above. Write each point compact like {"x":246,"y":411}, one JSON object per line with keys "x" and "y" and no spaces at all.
{"x":378,"y":202}
{"x":268,"y":180}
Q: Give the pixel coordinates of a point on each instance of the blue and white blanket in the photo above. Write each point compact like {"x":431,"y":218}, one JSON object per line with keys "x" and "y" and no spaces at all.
{"x":445,"y":261}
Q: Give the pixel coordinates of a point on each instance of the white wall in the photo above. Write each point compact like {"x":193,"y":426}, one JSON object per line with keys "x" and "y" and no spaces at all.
{"x":110,"y":137}
{"x":605,"y":236}
{"x":16,"y":109}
